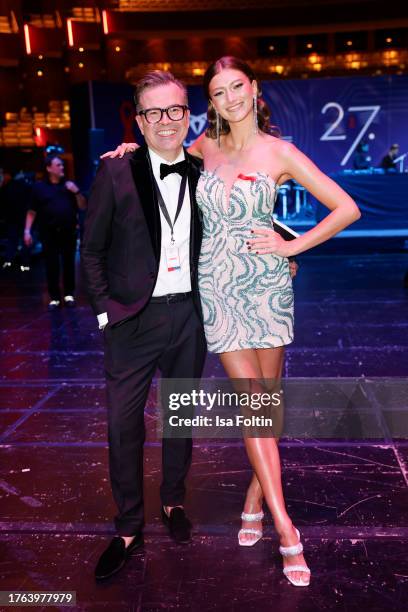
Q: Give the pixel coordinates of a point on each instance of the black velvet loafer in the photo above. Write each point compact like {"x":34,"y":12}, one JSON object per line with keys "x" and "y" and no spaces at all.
{"x":115,"y":556}
{"x":178,"y":525}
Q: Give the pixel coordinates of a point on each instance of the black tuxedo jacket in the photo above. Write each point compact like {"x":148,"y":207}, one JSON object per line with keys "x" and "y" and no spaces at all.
{"x":122,"y":237}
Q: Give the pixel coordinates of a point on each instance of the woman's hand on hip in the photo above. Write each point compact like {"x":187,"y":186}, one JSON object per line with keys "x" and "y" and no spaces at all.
{"x":268,"y":241}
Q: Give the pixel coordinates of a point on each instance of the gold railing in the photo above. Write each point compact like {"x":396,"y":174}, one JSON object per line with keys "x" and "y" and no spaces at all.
{"x":191,"y":5}
{"x":87,"y":13}
{"x":393,"y":61}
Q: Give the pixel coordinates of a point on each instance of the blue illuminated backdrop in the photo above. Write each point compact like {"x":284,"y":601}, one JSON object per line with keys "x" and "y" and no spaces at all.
{"x":326,"y":119}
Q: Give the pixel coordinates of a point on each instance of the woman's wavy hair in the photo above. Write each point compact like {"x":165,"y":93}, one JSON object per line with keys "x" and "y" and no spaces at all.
{"x":234,"y":63}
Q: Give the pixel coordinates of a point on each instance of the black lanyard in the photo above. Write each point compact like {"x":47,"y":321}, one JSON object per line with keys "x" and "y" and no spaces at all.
{"x":180,"y":201}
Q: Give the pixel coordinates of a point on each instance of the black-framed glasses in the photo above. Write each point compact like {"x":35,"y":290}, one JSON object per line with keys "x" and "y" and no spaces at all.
{"x":175,"y":112}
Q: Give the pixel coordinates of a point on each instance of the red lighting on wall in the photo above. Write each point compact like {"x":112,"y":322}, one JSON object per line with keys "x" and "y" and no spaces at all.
{"x":40,"y":137}
{"x":27,"y":39}
{"x":70,"y":33}
{"x":105,"y":22}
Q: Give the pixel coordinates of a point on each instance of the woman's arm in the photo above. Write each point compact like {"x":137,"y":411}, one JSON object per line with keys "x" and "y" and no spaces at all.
{"x":344,"y":210}
{"x":129,"y":147}
{"x":125,"y":147}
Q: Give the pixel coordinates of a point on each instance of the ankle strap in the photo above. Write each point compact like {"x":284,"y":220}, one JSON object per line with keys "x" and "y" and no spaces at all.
{"x":258,"y":516}
{"x":296,"y":568}
{"x":289,"y":551}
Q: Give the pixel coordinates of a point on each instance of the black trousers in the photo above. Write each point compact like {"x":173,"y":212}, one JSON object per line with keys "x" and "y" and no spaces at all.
{"x":170,"y":337}
{"x":59,"y":243}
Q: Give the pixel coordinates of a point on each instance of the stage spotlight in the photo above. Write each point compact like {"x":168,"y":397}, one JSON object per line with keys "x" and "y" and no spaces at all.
{"x":273,"y":46}
{"x":27,"y":38}
{"x":317,"y":44}
{"x":117,"y":49}
{"x":40,"y":73}
{"x":105,"y":22}
{"x":397,"y":38}
{"x":70,"y":33}
{"x":351,"y":41}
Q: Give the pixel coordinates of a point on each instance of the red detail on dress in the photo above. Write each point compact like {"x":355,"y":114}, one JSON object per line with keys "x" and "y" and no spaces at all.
{"x":245,"y":177}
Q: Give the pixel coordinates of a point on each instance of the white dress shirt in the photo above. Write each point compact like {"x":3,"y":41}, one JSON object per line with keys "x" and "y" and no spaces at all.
{"x":178,"y":281}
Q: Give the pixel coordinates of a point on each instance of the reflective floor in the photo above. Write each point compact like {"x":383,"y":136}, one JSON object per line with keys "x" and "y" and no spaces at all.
{"x":348,"y":498}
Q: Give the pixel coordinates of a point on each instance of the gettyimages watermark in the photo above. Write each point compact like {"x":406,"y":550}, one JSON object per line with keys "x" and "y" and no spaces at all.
{"x":229,"y":409}
{"x":335,"y":408}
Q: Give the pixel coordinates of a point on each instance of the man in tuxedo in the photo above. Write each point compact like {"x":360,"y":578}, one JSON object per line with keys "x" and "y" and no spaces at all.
{"x":140,"y":252}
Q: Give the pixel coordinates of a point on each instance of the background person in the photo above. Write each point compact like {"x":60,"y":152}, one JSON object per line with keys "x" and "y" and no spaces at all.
{"x":362,"y":158}
{"x":388,"y":161}
{"x":16,"y":196}
{"x":54,"y":204}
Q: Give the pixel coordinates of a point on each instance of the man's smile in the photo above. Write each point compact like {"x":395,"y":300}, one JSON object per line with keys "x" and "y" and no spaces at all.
{"x":166,"y":132}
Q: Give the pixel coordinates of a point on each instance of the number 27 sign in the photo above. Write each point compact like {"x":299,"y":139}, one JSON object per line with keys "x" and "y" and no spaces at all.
{"x":369,"y":113}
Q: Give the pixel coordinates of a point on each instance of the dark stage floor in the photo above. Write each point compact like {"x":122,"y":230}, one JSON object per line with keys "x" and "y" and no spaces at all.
{"x":349,"y":499}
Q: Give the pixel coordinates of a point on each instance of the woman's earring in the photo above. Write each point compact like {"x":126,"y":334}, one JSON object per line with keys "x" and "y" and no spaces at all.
{"x":255,"y":109}
{"x":217,"y":127}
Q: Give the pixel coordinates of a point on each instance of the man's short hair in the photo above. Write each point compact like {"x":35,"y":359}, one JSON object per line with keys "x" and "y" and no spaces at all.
{"x":156,"y":78}
{"x":50,"y":158}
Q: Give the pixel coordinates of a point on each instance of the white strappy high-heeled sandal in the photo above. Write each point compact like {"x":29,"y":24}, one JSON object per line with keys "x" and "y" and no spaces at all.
{"x":290,"y":551}
{"x":250,"y":518}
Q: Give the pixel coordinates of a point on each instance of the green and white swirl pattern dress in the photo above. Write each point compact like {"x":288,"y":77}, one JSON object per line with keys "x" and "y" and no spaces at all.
{"x":247,"y":299}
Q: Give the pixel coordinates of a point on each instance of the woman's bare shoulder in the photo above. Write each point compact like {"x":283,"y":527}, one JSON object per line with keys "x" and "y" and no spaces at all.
{"x":278,"y":146}
{"x":202,"y":146}
{"x":208,"y":143}
{"x":276,"y":154}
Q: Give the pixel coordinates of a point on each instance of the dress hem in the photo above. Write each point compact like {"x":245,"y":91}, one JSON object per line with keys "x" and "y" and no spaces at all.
{"x":242,"y":348}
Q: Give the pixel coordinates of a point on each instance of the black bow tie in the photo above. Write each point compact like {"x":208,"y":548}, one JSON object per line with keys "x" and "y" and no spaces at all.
{"x":180,"y":168}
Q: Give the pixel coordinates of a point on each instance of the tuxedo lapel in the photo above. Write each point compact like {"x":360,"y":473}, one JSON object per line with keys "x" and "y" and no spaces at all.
{"x":143,"y":177}
{"x":194,"y":166}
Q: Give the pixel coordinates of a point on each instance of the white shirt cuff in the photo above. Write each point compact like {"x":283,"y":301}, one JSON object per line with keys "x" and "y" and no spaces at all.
{"x":102,"y":319}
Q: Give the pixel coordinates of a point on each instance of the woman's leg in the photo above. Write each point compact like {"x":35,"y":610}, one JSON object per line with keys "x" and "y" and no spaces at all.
{"x":263,"y":452}
{"x":271,"y":369}
{"x":271,"y":364}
